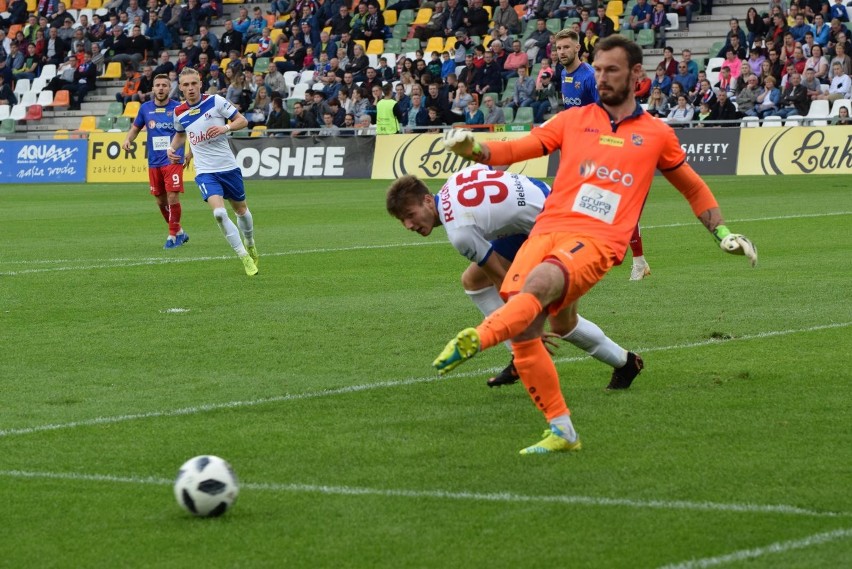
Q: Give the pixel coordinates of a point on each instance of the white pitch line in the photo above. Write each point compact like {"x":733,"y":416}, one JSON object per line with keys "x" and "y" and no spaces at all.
{"x":777,"y":547}
{"x":370,"y":386}
{"x":150,"y":261}
{"x":506,"y":497}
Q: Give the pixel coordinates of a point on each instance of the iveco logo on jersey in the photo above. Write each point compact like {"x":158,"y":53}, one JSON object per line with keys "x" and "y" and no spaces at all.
{"x":588,"y":169}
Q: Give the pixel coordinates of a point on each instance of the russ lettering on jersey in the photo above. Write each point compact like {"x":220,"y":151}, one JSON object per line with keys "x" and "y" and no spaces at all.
{"x":160,"y":124}
{"x":479,"y":205}
{"x":212,"y":154}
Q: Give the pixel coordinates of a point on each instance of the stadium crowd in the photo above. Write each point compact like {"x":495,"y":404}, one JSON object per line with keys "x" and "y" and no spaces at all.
{"x":305,"y":64}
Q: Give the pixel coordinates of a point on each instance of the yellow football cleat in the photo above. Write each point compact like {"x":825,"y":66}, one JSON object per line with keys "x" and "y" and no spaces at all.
{"x":248,"y":263}
{"x":552,"y":442}
{"x":460,"y":349}
{"x":252,"y":251}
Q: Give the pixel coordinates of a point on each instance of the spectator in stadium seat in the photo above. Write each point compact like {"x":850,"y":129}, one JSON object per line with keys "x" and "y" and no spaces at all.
{"x":341,"y":23}
{"x":682,"y":114}
{"x":17,"y":13}
{"x":139,"y":45}
{"x":433,"y":27}
{"x":85,"y":78}
{"x":364,"y":127}
{"x":374,"y":26}
{"x":158,"y":33}
{"x":686,"y":79}
{"x":755,"y":25}
{"x":841,"y":84}
{"x":476,"y":19}
{"x":117,"y":46}
{"x":417,"y":114}
{"x":7,"y":95}
{"x":302,"y":119}
{"x":662,"y":80}
{"x":347,"y":45}
{"x":79,"y":39}
{"x":131,"y":86}
{"x":146,"y":85}
{"x":841,"y":57}
{"x":545,"y":98}
{"x":811,"y":83}
{"x":640,"y":16}
{"x":524,"y":92}
{"x":97,"y":31}
{"x":56,"y":49}
{"x":278,"y":118}
{"x":767,"y":99}
{"x":488,"y":80}
{"x":724,"y":110}
{"x":216,"y":83}
{"x":515,"y":60}
{"x":358,"y":64}
{"x":231,"y":40}
{"x":59,"y":17}
{"x":493,"y":113}
{"x":658,"y":103}
{"x":359,"y":20}
{"x":794,"y":100}
{"x":506,"y":15}
{"x":29,"y":68}
{"x":747,"y":97}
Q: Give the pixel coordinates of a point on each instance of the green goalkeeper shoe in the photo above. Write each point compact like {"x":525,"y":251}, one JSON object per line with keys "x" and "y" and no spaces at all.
{"x":248,"y":263}
{"x":460,"y":349}
{"x":553,"y":442}
{"x":252,"y":251}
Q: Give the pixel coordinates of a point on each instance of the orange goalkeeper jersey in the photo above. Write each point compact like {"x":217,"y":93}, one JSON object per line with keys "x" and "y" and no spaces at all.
{"x":605,"y":172}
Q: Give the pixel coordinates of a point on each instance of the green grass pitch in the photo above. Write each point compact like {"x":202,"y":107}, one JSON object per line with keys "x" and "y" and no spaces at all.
{"x":121,"y":360}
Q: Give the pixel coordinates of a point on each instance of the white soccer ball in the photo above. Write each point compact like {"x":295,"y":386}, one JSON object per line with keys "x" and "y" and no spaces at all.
{"x":206,"y":486}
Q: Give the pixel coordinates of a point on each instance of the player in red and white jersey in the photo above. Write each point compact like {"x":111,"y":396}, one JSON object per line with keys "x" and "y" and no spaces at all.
{"x":609,"y":153}
{"x":203,"y":120}
{"x":487,"y":215}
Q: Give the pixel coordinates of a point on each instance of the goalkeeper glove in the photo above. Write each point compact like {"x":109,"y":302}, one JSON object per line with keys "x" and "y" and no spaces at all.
{"x":736,"y":244}
{"x":460,"y":141}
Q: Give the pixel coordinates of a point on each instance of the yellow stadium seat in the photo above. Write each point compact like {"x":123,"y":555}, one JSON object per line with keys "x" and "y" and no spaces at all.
{"x":488,"y":9}
{"x":224,"y":63}
{"x":273,"y":35}
{"x":382,"y":7}
{"x":363,"y":44}
{"x":61,"y":134}
{"x":94,"y":4}
{"x":450,"y":44}
{"x":390,"y":17}
{"x":376,"y":46}
{"x":257,"y":130}
{"x":614,"y":10}
{"x":88,"y":123}
{"x":32,"y":5}
{"x":233,"y":1}
{"x":327,"y":30}
{"x":278,"y":58}
{"x":486,"y":40}
{"x":131,"y":110}
{"x":434,"y":44}
{"x":112,"y":71}
{"x":423,"y":15}
{"x":252,"y":48}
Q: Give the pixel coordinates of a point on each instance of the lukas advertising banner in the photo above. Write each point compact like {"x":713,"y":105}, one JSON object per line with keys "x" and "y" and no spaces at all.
{"x":35,"y":161}
{"x":708,"y":150}
{"x":797,"y":150}
{"x":424,"y":156}
{"x":345,"y":157}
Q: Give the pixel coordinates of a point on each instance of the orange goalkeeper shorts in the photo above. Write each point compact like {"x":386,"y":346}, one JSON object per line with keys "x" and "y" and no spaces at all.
{"x":583,"y":259}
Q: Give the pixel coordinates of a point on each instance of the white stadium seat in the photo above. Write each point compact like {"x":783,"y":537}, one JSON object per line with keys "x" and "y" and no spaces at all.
{"x":4,"y":112}
{"x":21,"y":87}
{"x":750,"y":122}
{"x":772,"y":122}
{"x":391,"y":57}
{"x":819,"y":110}
{"x":28,"y":98}
{"x":835,"y":108}
{"x":38,"y":84}
{"x":18,"y":112}
{"x":45,"y":98}
{"x":673,"y":22}
{"x":794,"y":120}
{"x":48,"y":72}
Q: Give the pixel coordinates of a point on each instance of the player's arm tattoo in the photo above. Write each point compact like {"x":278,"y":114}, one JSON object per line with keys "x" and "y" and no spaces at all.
{"x":712,"y":218}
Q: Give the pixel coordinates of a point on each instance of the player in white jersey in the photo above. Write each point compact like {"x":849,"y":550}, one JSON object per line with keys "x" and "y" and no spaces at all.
{"x":204,"y":120}
{"x":487,"y":215}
